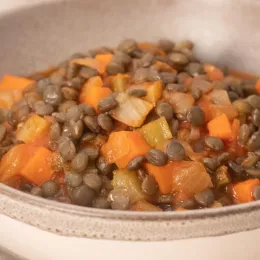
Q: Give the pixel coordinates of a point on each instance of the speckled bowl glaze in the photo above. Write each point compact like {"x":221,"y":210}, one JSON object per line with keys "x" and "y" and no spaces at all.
{"x":42,"y":33}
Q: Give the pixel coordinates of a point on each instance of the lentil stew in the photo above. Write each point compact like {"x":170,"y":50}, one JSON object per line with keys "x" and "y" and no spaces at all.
{"x":143,"y":127}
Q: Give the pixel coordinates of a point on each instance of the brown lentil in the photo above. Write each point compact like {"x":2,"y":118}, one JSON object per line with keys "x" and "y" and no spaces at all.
{"x":146,"y":60}
{"x":136,"y":163}
{"x":103,"y":167}
{"x":37,"y":191}
{"x":114,"y":68}
{"x":83,"y":195}
{"x":166,"y":45}
{"x":156,"y":157}
{"x":175,"y":151}
{"x":101,"y":203}
{"x":52,"y":95}
{"x":43,"y":109}
{"x":127,"y":46}
{"x":70,"y":93}
{"x":174,"y":126}
{"x":66,"y":148}
{"x":66,"y":105}
{"x":92,"y":152}
{"x":55,"y":131}
{"x":254,"y":101}
{"x":87,"y":137}
{"x":194,"y":68}
{"x":74,"y":179}
{"x":87,"y":110}
{"x":141,"y":174}
{"x":254,"y":142}
{"x":137,"y":92}
{"x":214,"y":143}
{"x":87,"y":72}
{"x":80,"y":162}
{"x":149,"y":185}
{"x":50,"y":189}
{"x":92,"y":124}
{"x":243,"y":134}
{"x":256,"y":117}
{"x":107,"y":104}
{"x":196,"y":116}
{"x":165,"y":110}
{"x":168,"y":77}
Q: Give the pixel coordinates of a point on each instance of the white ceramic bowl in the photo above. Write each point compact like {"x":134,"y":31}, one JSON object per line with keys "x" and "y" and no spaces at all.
{"x":34,"y":37}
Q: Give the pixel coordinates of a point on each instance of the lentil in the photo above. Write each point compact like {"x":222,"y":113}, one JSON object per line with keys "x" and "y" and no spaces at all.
{"x":156,"y":157}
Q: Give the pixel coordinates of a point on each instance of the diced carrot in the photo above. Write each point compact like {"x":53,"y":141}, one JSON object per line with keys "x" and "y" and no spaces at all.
{"x":98,"y":65}
{"x":143,"y":205}
{"x":104,"y":58}
{"x":163,"y":176}
{"x":15,"y":160}
{"x":220,"y":127}
{"x":35,"y":127}
{"x":93,"y":91}
{"x":213,"y":73}
{"x":123,"y":146}
{"x":242,"y":192}
{"x":138,"y":146}
{"x":152,"y":48}
{"x":92,"y":82}
{"x":257,"y":86}
{"x":11,"y":90}
{"x":95,"y":95}
{"x":116,"y":147}
{"x":38,"y":169}
{"x":10,"y":82}
{"x":190,"y":177}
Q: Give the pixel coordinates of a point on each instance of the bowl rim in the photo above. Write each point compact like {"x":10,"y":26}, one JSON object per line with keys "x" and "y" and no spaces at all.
{"x":75,"y":221}
{"x":125,"y":214}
